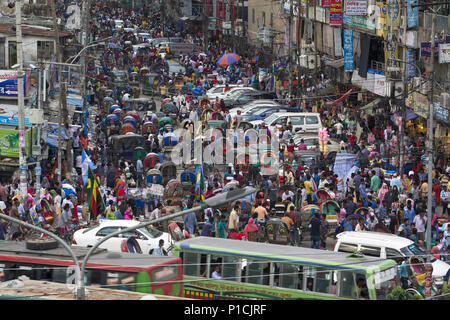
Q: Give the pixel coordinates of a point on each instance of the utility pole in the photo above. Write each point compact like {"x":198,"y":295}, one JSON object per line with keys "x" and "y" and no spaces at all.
{"x":20,"y":104}
{"x":291,"y":9}
{"x":205,"y":27}
{"x":430,"y":144}
{"x":60,"y":75}
{"x":401,"y":148}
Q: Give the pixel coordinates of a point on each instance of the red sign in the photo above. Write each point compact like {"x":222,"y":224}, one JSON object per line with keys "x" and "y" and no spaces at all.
{"x":428,"y":280}
{"x":326,"y":3}
{"x":336,"y":12}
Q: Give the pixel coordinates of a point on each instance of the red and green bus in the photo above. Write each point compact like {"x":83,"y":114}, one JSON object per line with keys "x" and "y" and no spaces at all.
{"x":159,"y":275}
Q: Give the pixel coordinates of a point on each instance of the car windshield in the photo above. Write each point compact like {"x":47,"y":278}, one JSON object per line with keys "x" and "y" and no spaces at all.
{"x":151,"y":232}
{"x":412,"y":250}
{"x":271,"y":118}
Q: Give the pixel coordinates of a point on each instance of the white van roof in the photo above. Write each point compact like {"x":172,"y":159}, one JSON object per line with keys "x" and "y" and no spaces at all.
{"x":376,"y":239}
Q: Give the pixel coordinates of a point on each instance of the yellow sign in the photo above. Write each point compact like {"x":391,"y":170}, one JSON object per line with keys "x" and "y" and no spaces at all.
{"x":420,"y":105}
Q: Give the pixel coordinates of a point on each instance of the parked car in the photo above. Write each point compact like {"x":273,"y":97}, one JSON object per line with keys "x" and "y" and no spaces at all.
{"x":175,"y":67}
{"x":241,"y":98}
{"x":253,"y":104}
{"x":262,"y":112}
{"x":305,"y":121}
{"x":387,"y":246}
{"x":234,"y":91}
{"x":218,"y":91}
{"x":148,"y":237}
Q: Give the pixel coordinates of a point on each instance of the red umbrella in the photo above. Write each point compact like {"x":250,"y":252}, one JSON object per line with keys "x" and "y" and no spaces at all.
{"x":228,"y":59}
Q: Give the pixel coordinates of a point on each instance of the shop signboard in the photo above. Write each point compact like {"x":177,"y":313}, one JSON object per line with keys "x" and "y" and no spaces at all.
{"x":356,"y":7}
{"x":348,"y":50}
{"x":336,"y":12}
{"x":425,"y":47}
{"x":380,"y":23}
{"x":444,"y":53}
{"x":380,"y":85}
{"x":9,"y":115}
{"x":347,"y":20}
{"x":413,"y":14}
{"x":393,"y":13}
{"x":441,"y":113}
{"x":364,"y":24}
{"x":326,"y":3}
{"x":420,"y":105}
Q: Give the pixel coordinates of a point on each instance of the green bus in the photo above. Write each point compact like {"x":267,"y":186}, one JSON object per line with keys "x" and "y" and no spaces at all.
{"x":215,"y":268}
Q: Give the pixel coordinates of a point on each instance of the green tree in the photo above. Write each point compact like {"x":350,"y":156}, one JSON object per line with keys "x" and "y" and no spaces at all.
{"x":399,"y":293}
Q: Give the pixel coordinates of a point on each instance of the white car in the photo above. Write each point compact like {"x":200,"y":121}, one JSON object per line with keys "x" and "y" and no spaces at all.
{"x":252,"y":105}
{"x":218,"y":91}
{"x":148,"y":238}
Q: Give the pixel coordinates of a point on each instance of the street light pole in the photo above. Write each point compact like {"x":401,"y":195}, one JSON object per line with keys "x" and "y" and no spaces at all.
{"x":20,"y":104}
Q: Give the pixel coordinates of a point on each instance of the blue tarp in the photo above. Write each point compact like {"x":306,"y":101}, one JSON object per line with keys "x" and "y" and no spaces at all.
{"x":52,"y":134}
{"x":75,"y":100}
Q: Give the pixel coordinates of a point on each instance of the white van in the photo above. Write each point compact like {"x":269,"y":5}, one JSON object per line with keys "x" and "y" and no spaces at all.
{"x":386,"y":246}
{"x":305,"y":121}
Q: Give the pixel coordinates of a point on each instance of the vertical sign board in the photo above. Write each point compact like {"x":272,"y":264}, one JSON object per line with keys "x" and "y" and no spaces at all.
{"x":336,"y":12}
{"x":413,"y":14}
{"x":441,"y":113}
{"x":410,"y":63}
{"x":348,"y":50}
{"x":337,"y":42}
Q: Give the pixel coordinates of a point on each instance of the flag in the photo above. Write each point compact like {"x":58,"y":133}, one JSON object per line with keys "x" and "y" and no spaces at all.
{"x":200,"y":183}
{"x":86,"y":164}
{"x":94,"y":198}
{"x":68,"y":190}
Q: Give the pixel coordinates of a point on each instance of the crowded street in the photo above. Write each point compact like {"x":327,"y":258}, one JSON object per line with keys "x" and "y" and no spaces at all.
{"x":169,"y":155}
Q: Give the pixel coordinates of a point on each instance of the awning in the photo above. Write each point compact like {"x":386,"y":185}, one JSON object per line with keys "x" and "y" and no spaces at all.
{"x":339,"y":63}
{"x":341,"y":98}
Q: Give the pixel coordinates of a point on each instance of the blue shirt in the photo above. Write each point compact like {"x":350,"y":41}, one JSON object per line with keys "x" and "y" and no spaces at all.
{"x":410,"y":214}
{"x":190,"y":222}
{"x":221,"y":227}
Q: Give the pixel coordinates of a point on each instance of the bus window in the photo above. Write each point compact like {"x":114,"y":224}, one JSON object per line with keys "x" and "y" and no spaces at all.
{"x":385,"y":281}
{"x":230,"y":268}
{"x":346,"y":284}
{"x":323,"y":280}
{"x":360,"y":290}
{"x":310,"y":275}
{"x":191,"y":264}
{"x":288,"y":276}
{"x":255,"y":271}
{"x":203,"y":265}
{"x":216,"y":267}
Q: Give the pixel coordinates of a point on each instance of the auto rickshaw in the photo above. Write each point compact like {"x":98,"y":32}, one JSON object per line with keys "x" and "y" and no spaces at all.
{"x":307,"y":212}
{"x":173,"y":191}
{"x":188,"y":176}
{"x":322,"y":195}
{"x":107,"y":103}
{"x":277,"y":232}
{"x":154,"y":176}
{"x":331,"y":208}
{"x":133,"y":78}
{"x":164,"y":121}
{"x":130,"y":120}
{"x":168,"y":171}
{"x":150,"y":83}
{"x":149,"y":128}
{"x":128,"y":127}
{"x":151,"y":160}
{"x":134,"y":114}
{"x":118,"y":78}
{"x":108,"y":93}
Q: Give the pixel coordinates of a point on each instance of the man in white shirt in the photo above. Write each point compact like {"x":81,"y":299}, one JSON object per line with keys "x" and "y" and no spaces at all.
{"x":159,"y":251}
{"x":287,"y":194}
{"x":420,"y":221}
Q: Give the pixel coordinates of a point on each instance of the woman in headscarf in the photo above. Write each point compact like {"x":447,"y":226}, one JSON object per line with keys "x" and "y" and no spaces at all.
{"x":250,"y":227}
{"x":383,"y":190}
{"x":45,"y":183}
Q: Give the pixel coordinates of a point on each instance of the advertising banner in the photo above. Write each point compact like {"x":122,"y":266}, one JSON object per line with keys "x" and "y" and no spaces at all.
{"x":348,"y":50}
{"x":420,"y":105}
{"x":444,"y":53}
{"x":343,"y":163}
{"x":336,"y":13}
{"x":356,"y":8}
{"x":8,"y":83}
{"x":9,"y":115}
{"x":413,"y":14}
{"x":440,"y":113}
{"x":326,"y":3}
{"x":9,"y":142}
{"x":381,"y":18}
{"x":411,"y":60}
{"x":393,"y":13}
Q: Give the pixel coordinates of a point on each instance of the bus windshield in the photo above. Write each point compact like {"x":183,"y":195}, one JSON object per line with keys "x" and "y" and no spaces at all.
{"x":412,"y":250}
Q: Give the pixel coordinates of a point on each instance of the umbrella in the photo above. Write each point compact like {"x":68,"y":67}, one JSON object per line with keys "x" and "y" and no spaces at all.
{"x":228,"y":59}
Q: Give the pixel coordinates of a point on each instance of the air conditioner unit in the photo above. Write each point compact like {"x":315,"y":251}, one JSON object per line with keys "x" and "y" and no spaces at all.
{"x":312,"y":61}
{"x":398,"y":85}
{"x":36,"y":116}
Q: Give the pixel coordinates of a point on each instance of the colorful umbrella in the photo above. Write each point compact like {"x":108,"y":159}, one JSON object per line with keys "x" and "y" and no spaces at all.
{"x":228,"y":59}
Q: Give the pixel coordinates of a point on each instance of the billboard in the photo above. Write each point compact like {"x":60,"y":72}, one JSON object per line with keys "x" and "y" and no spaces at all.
{"x":8,"y":83}
{"x":9,"y":142}
{"x":348,"y":50}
